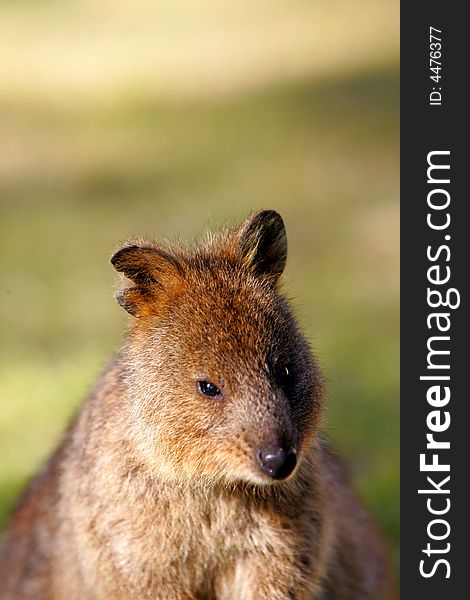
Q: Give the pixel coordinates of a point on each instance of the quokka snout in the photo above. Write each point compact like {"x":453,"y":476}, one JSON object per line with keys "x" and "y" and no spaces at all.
{"x":196,"y":468}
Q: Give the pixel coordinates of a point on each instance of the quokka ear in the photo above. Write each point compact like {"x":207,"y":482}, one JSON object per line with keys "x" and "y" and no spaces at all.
{"x":262,"y":245}
{"x":150,"y":268}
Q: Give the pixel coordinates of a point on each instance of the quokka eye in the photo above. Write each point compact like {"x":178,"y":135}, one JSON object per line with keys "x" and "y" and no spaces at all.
{"x":209,"y":389}
{"x":284,"y":375}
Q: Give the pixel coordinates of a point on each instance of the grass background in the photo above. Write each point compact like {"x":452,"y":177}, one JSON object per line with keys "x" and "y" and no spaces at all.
{"x":163,"y":119}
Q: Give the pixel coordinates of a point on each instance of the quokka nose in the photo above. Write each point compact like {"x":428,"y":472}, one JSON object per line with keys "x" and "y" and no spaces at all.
{"x":277,"y":462}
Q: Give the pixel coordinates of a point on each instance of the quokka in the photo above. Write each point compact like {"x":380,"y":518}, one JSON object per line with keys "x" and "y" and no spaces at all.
{"x":196,"y":469}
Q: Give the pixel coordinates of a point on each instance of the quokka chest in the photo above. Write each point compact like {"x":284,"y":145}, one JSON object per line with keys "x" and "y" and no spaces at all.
{"x":203,"y":547}
{"x":204,"y":534}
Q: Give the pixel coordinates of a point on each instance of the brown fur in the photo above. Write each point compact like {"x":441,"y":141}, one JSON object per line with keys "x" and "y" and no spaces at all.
{"x":156,"y":492}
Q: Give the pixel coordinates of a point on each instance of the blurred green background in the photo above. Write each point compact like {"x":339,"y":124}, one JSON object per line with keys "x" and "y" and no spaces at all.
{"x":166,"y":118}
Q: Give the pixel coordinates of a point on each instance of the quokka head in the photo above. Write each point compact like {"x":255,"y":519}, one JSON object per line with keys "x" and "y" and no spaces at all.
{"x":221,"y":384}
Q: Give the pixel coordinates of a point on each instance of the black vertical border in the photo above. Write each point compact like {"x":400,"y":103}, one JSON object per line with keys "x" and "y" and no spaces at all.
{"x":426,"y":128}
